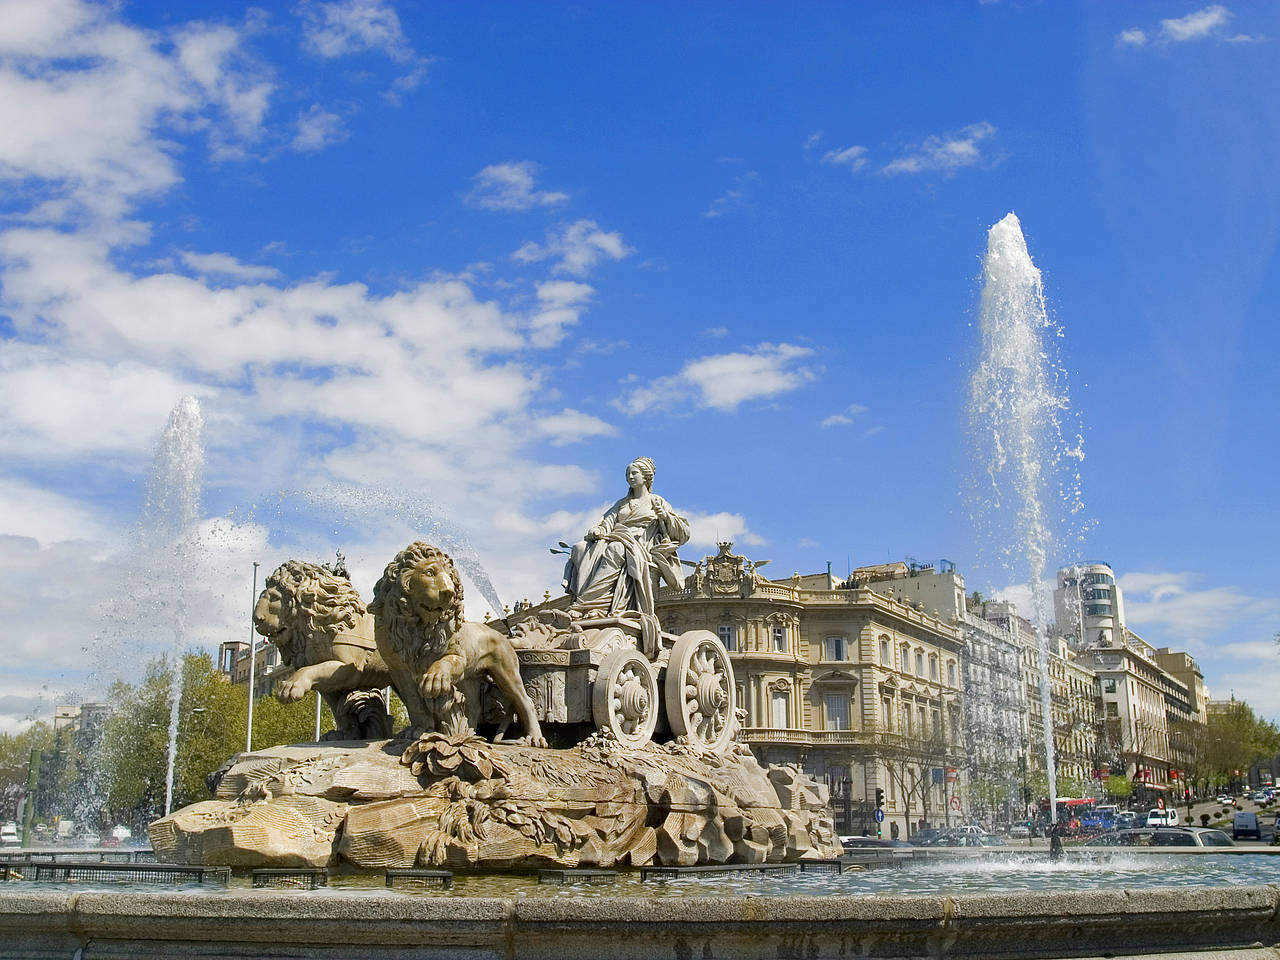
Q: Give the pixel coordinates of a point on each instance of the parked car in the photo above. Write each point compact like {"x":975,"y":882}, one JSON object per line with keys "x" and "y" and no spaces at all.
{"x":1019,"y":831}
{"x":1163,"y":837}
{"x":9,"y":834}
{"x":1245,"y":826}
{"x":1168,"y":817}
{"x":1223,"y":798}
{"x":1126,"y":820}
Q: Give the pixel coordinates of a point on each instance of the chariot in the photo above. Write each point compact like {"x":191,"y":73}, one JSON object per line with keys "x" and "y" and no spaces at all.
{"x":638,"y":684}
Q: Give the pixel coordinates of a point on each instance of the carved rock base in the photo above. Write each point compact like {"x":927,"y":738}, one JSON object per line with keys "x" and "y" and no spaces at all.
{"x":465,"y":803}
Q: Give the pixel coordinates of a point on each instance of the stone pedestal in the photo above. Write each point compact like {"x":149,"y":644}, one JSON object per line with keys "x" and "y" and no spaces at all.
{"x":464,"y":803}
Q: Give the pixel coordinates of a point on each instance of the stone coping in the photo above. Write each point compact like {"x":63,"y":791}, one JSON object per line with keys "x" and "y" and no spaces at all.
{"x":1231,"y":921}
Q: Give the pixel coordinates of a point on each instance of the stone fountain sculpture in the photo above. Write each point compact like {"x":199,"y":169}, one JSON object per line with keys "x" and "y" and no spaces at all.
{"x":644,"y":765}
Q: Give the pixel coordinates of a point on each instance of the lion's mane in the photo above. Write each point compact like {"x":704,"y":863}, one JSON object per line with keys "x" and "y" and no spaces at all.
{"x":315,"y":605}
{"x":407,"y":632}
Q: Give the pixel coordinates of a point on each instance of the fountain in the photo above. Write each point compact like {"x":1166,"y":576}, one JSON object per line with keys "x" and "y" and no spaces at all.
{"x":643,"y":766}
{"x":1018,"y":402}
{"x":171,"y":509}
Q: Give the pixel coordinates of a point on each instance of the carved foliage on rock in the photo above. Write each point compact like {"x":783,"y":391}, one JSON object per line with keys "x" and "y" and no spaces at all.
{"x":436,"y":755}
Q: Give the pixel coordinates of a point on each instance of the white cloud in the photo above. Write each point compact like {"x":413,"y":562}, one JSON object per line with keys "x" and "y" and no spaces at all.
{"x":945,"y":152}
{"x":44,"y":516}
{"x":577,"y":248}
{"x":509,"y":186}
{"x":560,"y":303}
{"x":572,"y":426}
{"x":343,"y":27}
{"x":735,"y":196}
{"x":82,"y":96}
{"x":724,"y":381}
{"x":855,"y":158}
{"x":317,"y":129}
{"x":1211,"y":22}
{"x":1181,"y":608}
{"x":716,"y":332}
{"x":1195,"y":26}
{"x":845,"y":416}
{"x":708,"y":529}
{"x":223,"y":264}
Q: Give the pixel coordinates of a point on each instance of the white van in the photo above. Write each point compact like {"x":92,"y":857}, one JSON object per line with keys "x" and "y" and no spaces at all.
{"x":9,"y":834}
{"x":1168,"y":817}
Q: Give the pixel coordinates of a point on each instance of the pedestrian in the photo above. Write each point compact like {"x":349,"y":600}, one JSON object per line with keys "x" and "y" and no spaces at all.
{"x":1055,"y":842}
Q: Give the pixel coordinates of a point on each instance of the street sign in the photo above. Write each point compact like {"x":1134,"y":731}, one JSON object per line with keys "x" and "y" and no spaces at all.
{"x":879,"y":815}
{"x":1160,"y":802}
{"x":955,"y":803}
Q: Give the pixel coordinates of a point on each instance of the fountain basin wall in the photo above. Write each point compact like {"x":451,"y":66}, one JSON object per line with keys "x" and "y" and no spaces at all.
{"x":1240,"y":922}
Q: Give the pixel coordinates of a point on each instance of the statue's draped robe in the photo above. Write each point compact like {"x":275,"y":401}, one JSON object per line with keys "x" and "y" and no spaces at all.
{"x":618,"y":570}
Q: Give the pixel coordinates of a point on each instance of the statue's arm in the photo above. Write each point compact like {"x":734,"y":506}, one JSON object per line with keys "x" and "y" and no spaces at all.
{"x":675,"y":526}
{"x":607,"y":522}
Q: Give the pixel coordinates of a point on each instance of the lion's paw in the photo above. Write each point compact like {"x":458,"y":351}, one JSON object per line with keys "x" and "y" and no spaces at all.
{"x":439,"y":679}
{"x":292,"y":690}
{"x":538,"y":741}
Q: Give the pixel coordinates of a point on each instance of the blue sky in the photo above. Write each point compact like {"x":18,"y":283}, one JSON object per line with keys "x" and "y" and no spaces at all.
{"x":467,"y":260}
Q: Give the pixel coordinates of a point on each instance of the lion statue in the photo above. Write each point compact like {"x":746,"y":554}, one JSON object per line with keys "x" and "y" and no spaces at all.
{"x":319,"y":624}
{"x":438,"y":661}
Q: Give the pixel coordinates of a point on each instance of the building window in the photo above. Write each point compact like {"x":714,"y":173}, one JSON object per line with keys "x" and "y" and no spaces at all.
{"x":886,"y":710}
{"x":726,"y":636}
{"x":937,"y":723}
{"x":780,"y":703}
{"x":834,"y":648}
{"x":837,"y":711}
{"x":920,"y":717}
{"x":906,"y":720}
{"x":1108,"y":686}
{"x":919,"y":664}
{"x":904,"y":658}
{"x":951,"y":672}
{"x":933,"y":668}
{"x":885,"y":658}
{"x":779,"y":639}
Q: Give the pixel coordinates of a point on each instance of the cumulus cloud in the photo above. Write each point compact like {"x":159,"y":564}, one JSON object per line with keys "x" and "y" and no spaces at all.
{"x":945,"y":152}
{"x":708,"y":529}
{"x":317,"y":128}
{"x":572,"y":426}
{"x":725,"y":381}
{"x":1209,"y":23}
{"x":735,"y":196}
{"x":341,"y":28}
{"x":510,"y":187}
{"x":344,"y":27}
{"x":576,"y":248}
{"x":855,"y":158}
{"x":82,"y":96}
{"x":225,"y":265}
{"x":845,"y":417}
{"x":1182,"y":607}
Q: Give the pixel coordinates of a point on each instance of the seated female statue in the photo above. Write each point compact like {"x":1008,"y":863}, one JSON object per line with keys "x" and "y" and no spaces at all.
{"x":616,"y":566}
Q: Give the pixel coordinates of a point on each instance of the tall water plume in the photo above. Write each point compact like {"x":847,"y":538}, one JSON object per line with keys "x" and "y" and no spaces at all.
{"x":171,"y":510}
{"x":1026,"y":483}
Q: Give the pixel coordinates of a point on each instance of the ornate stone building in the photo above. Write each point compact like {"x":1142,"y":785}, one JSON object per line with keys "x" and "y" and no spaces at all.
{"x":858,"y":688}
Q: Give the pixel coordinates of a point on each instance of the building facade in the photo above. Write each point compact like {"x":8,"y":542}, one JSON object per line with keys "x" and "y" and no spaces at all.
{"x":857,"y":687}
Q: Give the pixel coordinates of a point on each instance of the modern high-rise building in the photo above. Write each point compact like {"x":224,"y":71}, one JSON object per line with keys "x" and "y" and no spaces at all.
{"x":1088,"y":606}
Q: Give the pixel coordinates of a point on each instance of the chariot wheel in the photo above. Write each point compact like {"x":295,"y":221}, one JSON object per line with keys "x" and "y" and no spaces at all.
{"x":700,"y":693}
{"x":624,"y":699}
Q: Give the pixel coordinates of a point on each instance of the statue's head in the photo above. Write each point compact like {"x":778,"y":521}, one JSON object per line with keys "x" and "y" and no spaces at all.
{"x":420,"y":584}
{"x":301,"y":600}
{"x":644,"y":466}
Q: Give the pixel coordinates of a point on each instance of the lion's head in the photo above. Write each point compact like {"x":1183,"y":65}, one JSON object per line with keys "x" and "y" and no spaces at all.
{"x":302,"y":603}
{"x":419,"y":598}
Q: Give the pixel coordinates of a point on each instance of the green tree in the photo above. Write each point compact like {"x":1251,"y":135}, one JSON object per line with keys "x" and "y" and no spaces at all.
{"x":15,"y":757}
{"x":1119,"y":787}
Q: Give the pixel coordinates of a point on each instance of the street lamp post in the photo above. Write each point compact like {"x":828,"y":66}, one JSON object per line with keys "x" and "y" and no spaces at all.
{"x":248,"y":738}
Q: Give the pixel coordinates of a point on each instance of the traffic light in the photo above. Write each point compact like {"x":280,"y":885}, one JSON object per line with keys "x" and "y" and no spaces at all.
{"x":879,"y":797}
